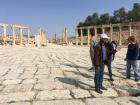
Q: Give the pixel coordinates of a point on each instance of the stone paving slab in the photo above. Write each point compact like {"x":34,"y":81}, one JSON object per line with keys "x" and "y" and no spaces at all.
{"x":100,"y":101}
{"x":16,"y":97}
{"x":11,"y":82}
{"x":80,"y":93}
{"x":55,"y":94}
{"x":18,"y":103}
{"x":106,"y":93}
{"x":59,"y":102}
{"x":128,"y":100}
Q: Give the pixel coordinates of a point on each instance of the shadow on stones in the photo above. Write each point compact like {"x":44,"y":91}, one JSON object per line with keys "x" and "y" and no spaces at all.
{"x":135,"y":102}
{"x":75,"y":82}
{"x":81,"y":74}
{"x":76,"y":66}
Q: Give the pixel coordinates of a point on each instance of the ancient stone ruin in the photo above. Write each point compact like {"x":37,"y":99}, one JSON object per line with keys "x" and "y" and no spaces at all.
{"x":23,"y":37}
{"x":117,"y":32}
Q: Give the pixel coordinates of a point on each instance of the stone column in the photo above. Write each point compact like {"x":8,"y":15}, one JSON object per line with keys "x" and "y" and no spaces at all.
{"x":4,"y":33}
{"x":103,"y":30}
{"x":13,"y":29}
{"x":88,"y":43}
{"x":120,"y":35}
{"x":21,"y":36}
{"x":95,"y":32}
{"x":55,"y":38}
{"x":130,"y":30}
{"x":81,"y":36}
{"x":111,"y":33}
{"x":76,"y":33}
{"x":28,"y":39}
{"x":66,"y":35}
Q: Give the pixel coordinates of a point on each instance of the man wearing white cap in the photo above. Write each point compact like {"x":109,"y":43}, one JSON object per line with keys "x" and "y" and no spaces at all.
{"x":100,"y":56}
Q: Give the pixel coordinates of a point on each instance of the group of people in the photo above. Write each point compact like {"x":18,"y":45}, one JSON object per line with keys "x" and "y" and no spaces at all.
{"x":103,"y":53}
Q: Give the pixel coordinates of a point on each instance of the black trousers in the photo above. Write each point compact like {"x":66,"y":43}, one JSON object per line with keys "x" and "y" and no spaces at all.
{"x":108,"y":64}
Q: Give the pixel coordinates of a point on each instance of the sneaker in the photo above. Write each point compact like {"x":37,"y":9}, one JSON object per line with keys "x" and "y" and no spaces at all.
{"x":98,"y":91}
{"x":111,"y":79}
{"x":103,"y":88}
{"x":127,"y":77}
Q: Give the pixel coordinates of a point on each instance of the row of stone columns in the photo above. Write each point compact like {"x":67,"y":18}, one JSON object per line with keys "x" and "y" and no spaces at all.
{"x":103,"y":32}
{"x":4,"y":26}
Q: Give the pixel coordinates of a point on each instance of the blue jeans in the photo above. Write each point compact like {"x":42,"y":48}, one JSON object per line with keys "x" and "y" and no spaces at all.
{"x":132,"y":63}
{"x":98,"y":79}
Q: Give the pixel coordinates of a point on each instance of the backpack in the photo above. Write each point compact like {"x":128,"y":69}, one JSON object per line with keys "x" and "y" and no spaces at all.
{"x":114,"y":47}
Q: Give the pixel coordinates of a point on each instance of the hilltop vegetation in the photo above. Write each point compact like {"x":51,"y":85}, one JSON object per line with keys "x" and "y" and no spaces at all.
{"x":119,"y":16}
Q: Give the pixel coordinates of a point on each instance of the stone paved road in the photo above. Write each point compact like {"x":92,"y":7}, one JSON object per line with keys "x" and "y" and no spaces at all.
{"x":59,"y":75}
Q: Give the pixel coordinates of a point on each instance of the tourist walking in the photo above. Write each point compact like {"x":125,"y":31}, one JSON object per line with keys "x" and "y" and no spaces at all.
{"x":131,"y":58}
{"x":100,"y":56}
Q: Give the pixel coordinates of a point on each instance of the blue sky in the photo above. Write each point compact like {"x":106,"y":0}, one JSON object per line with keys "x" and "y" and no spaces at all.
{"x":54,"y":15}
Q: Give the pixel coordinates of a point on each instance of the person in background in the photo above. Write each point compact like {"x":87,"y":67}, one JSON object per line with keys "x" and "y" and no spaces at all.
{"x":91,"y":53}
{"x":93,"y":43}
{"x":108,"y":61}
{"x":131,"y":58}
{"x":115,"y":49}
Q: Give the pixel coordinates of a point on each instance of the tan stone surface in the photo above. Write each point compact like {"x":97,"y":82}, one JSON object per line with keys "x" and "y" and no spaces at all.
{"x":100,"y":101}
{"x":80,"y":93}
{"x":40,"y":74}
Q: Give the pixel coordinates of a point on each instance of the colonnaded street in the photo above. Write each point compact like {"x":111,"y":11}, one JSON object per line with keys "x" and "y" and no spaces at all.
{"x":60,"y":75}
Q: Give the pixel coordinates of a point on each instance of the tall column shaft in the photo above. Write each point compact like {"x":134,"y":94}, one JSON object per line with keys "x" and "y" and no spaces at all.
{"x":4,"y":33}
{"x":76,"y":33}
{"x":130,"y":30}
{"x":21,"y":36}
{"x":95,"y":32}
{"x":111,"y":33}
{"x":66,"y":35}
{"x":55,"y":38}
{"x":103,"y":30}
{"x":120,"y":36}
{"x":88,"y":43}
{"x":81,"y":37}
{"x":13,"y":29}
{"x":28,"y":40}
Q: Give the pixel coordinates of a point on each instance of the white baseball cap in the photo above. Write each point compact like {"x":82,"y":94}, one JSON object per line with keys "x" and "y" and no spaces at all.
{"x":104,"y":36}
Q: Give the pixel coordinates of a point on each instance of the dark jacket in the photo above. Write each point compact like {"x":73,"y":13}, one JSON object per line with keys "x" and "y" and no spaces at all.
{"x":132,"y":51}
{"x":98,"y":54}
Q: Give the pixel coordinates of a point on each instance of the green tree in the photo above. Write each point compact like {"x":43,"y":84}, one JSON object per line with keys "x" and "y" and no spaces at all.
{"x":120,"y":15}
{"x":95,"y":19}
{"x":80,"y":24}
{"x":136,"y":12}
{"x":105,"y":18}
{"x":88,"y":21}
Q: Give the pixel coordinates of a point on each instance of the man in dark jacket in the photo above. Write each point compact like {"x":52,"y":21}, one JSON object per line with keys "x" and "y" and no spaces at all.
{"x":131,"y":58}
{"x":100,"y":56}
